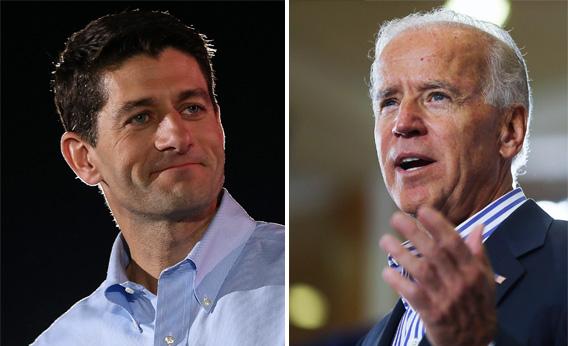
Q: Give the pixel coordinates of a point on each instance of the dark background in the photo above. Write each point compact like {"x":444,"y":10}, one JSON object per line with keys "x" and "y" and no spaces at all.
{"x":56,"y":232}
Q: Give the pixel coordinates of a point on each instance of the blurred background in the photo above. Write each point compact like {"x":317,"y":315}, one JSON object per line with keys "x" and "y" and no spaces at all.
{"x":338,"y":204}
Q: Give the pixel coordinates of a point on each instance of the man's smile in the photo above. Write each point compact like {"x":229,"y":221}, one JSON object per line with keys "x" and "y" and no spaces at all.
{"x":179,"y":166}
{"x":183,"y":165}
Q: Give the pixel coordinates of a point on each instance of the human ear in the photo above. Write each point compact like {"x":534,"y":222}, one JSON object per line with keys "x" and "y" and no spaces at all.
{"x":513,"y":131}
{"x":77,"y":154}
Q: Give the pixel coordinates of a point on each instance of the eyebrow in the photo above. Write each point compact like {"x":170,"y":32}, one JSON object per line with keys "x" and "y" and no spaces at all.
{"x":189,"y":93}
{"x":438,"y":84}
{"x":130,"y":106}
{"x":435,"y":84}
{"x":385,"y":93}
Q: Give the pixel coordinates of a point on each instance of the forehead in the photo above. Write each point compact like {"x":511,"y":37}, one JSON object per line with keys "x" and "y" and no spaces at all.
{"x":146,"y":76}
{"x":436,"y":52}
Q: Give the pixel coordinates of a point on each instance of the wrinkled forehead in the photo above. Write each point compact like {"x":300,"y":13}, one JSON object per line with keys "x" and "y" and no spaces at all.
{"x":448,"y":49}
{"x":444,"y":31}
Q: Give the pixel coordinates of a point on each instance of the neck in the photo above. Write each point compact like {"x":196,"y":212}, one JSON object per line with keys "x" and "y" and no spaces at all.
{"x":482,"y":199}
{"x":157,"y":245}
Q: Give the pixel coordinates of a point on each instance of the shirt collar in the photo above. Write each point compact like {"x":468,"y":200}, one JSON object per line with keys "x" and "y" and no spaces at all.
{"x":213,"y":255}
{"x":493,"y":214}
{"x":491,"y":217}
{"x":119,"y":259}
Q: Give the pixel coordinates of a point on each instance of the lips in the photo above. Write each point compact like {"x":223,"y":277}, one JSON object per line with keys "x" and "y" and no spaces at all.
{"x":177,"y":166}
{"x":409,"y":162}
{"x":182,"y":165}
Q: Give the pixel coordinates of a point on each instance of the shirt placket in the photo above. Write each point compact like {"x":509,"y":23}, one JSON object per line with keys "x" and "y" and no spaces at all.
{"x":175,"y":288}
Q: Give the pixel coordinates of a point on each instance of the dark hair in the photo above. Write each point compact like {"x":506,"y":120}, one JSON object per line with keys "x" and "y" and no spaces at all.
{"x":103,"y":45}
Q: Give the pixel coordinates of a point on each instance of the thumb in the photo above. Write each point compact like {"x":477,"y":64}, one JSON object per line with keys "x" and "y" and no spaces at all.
{"x":473,"y":241}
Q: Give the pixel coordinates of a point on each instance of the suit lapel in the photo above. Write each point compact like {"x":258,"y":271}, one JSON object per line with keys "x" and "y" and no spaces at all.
{"x":387,"y":335}
{"x":523,"y":231}
{"x":504,"y":263}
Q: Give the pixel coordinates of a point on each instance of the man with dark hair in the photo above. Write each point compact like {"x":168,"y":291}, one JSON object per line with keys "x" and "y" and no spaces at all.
{"x":482,"y":264}
{"x":136,"y":95}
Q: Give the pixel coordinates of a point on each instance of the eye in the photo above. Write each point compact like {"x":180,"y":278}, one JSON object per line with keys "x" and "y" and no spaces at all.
{"x":192,"y":110}
{"x":388,"y":103}
{"x":438,"y":96}
{"x":139,"y":119}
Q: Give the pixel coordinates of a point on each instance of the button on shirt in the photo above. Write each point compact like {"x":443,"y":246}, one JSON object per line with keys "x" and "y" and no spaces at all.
{"x":229,"y":290}
{"x":411,"y":329}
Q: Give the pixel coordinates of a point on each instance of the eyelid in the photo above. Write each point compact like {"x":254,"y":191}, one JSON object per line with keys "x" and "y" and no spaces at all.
{"x":200,"y":107}
{"x":130,"y":119}
{"x":382,"y":103}
{"x":438,"y":92}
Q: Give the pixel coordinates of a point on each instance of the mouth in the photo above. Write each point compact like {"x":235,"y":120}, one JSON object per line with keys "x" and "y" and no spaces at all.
{"x":179,"y":166}
{"x":183,"y":165}
{"x":412,"y":162}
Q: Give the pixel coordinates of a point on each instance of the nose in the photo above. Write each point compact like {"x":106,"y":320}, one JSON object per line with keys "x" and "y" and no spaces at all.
{"x":409,"y":121}
{"x":173,"y":134}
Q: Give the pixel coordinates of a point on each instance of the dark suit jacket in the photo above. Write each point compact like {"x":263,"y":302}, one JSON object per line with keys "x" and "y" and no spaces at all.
{"x":530,"y":250}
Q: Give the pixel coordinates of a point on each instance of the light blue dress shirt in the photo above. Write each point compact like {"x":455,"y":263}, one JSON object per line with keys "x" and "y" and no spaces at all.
{"x":229,"y":290}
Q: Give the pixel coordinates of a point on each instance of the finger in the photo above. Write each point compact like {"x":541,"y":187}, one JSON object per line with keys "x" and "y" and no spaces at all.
{"x":421,"y":269}
{"x":445,"y":235}
{"x":439,"y":268}
{"x":406,"y":289}
{"x":436,"y":255}
{"x":408,"y":228}
{"x":474,"y":242}
{"x":392,"y":246}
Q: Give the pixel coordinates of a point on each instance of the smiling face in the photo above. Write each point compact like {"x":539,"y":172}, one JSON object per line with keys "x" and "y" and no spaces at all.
{"x":438,"y":141}
{"x":160,"y":150}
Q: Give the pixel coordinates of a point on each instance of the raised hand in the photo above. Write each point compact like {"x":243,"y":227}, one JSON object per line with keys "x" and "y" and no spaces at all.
{"x":452,"y":285}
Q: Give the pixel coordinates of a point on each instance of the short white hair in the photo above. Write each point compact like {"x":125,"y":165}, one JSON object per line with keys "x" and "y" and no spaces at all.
{"x":507,"y":82}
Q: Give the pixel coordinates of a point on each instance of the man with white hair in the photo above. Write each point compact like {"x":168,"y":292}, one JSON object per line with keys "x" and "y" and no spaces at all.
{"x":452,"y":105}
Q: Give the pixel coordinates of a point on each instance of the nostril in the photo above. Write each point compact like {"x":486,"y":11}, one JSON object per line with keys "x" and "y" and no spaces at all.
{"x":406,"y":133}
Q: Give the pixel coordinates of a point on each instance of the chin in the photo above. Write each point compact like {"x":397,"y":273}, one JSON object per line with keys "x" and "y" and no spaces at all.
{"x":187,"y":208}
{"x":410,"y":201}
{"x":408,"y":208}
{"x":187,"y":200}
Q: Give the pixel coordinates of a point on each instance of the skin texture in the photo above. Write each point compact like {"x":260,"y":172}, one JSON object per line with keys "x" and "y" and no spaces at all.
{"x":431,"y":105}
{"x":160,"y":162}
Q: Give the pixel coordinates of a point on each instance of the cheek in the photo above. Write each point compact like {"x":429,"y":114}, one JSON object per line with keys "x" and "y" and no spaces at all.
{"x":133,"y":160}
{"x":213,"y":141}
{"x":382,"y":138}
{"x":465,"y":149}
{"x":377,"y":137}
{"x":116,"y":172}
{"x":447,"y":141}
{"x":221,"y":140}
{"x":218,"y":140}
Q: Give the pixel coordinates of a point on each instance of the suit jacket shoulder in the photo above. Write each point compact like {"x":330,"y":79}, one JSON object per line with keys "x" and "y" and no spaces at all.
{"x":530,"y":251}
